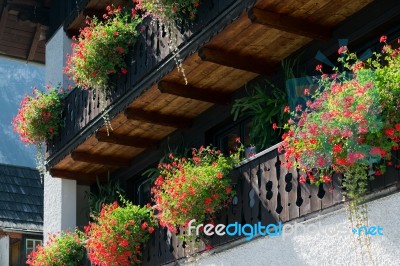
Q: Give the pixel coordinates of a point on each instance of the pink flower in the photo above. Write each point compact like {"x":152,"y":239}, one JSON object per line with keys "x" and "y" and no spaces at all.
{"x":124,"y":71}
{"x":318,"y":67}
{"x":302,"y":180}
{"x":342,"y":49}
{"x":383,"y":38}
{"x":274,"y":126}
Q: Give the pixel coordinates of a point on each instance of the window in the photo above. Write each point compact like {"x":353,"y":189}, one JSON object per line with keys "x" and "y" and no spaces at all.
{"x":225,"y":137}
{"x":31,"y":245}
{"x":138,"y":190}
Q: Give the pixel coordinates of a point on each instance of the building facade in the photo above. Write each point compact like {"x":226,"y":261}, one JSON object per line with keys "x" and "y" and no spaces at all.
{"x":227,"y":48}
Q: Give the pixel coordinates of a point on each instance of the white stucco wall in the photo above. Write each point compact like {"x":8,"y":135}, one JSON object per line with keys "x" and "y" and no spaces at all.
{"x":4,"y":250}
{"x":316,"y":247}
{"x":60,"y":195}
{"x":56,"y":49}
{"x":59,"y":205}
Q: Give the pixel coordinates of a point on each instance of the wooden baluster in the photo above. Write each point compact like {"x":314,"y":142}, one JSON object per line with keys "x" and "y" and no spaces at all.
{"x":305,"y":207}
{"x":337,"y":195}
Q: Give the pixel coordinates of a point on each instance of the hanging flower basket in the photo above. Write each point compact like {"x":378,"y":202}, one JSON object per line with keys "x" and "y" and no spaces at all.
{"x":193,"y":188}
{"x":101,"y":47}
{"x":117,"y":235}
{"x":64,"y":250}
{"x":350,"y":126}
{"x":39,"y":117}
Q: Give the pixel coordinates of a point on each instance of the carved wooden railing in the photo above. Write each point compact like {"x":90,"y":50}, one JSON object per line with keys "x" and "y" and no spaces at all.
{"x":265,"y":192}
{"x":148,"y":57}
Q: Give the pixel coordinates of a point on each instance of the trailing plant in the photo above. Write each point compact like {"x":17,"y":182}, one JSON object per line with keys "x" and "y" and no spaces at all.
{"x":350,"y":126}
{"x":168,"y":13}
{"x":65,"y":249}
{"x":266,"y":105}
{"x":101,"y":47}
{"x":106,"y":193}
{"x":168,"y":10}
{"x":118,"y":233}
{"x":100,"y":50}
{"x":193,"y":188}
{"x":39,"y":119}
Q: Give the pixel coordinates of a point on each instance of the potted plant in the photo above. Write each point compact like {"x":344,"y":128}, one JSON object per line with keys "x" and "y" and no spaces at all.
{"x":350,"y":126}
{"x":100,"y":50}
{"x":101,"y":47}
{"x":265,"y":104}
{"x":193,"y":188}
{"x":65,"y":249}
{"x":117,"y":235}
{"x":39,"y":119}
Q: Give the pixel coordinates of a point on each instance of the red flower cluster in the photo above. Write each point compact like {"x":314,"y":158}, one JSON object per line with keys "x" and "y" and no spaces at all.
{"x":118,"y":233}
{"x":193,"y":188}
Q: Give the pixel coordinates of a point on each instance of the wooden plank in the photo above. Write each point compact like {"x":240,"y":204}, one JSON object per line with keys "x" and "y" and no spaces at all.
{"x":100,"y":159}
{"x":84,"y":178}
{"x":289,"y":24}
{"x":192,"y":92}
{"x":337,"y":194}
{"x":158,"y":119}
{"x":3,"y":22}
{"x":271,"y":176}
{"x":35,"y":42}
{"x":235,"y":60}
{"x":294,"y":210}
{"x":305,"y":207}
{"x":315,"y":202}
{"x":125,"y":140}
{"x":284,"y":195}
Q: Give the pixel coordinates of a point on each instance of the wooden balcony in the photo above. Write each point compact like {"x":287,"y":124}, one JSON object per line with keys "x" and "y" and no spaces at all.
{"x":229,"y":44}
{"x":266,"y":193}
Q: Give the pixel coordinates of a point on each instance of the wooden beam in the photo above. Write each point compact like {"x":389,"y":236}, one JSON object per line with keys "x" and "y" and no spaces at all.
{"x":3,"y":21}
{"x":157,"y":118}
{"x":35,"y":43}
{"x":131,"y":141}
{"x":91,"y":12}
{"x":235,"y":60}
{"x":99,"y":159}
{"x":289,"y":24}
{"x":66,"y":174}
{"x":194,"y":93}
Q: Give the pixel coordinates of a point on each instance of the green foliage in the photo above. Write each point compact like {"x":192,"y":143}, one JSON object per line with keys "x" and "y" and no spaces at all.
{"x":63,"y":250}
{"x":266,"y":105}
{"x":106,"y":193}
{"x":169,"y":9}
